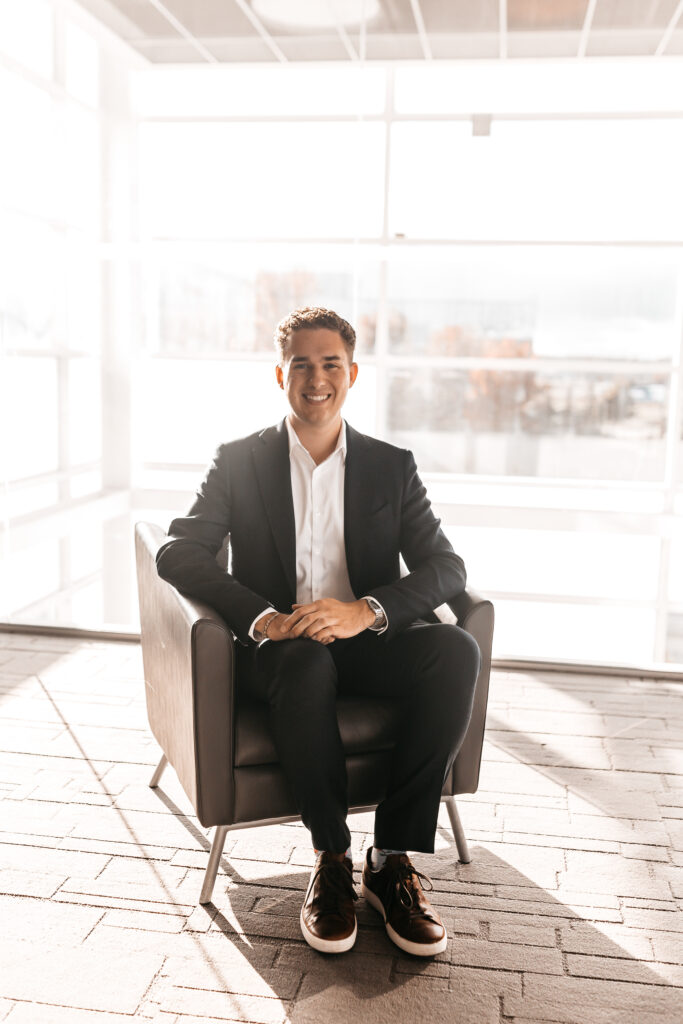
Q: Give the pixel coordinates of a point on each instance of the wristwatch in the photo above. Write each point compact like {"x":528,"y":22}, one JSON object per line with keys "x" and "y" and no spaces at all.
{"x":380,"y":617}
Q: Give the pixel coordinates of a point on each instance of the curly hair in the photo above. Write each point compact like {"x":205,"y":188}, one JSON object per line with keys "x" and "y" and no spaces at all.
{"x":310,"y":318}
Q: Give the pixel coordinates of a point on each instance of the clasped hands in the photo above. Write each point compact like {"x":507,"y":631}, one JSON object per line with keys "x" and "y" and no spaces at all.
{"x":324,"y":620}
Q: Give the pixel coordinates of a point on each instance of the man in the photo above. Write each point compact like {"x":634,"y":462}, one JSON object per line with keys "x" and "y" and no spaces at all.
{"x":318,"y":515}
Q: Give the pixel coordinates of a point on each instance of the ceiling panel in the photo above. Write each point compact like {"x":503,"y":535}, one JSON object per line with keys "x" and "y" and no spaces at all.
{"x":210,"y":17}
{"x":634,"y":13}
{"x":140,"y":13}
{"x":468,"y":16}
{"x":541,"y":15}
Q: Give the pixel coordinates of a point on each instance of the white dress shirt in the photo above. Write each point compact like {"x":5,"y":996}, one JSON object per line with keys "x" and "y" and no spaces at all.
{"x":318,"y":498}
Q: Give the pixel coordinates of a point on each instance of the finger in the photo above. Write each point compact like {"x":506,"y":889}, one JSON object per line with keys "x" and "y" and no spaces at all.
{"x":315,"y":628}
{"x":303,"y":625}
{"x":298,"y":613}
{"x":321,"y":633}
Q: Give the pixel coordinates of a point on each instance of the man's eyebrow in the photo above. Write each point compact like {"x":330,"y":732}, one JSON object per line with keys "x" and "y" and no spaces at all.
{"x":305,"y":359}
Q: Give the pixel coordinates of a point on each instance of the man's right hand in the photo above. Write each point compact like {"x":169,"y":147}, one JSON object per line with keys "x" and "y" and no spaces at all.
{"x":274,"y":626}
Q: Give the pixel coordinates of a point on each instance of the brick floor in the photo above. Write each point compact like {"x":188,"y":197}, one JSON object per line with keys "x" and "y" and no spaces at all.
{"x":570,"y":911}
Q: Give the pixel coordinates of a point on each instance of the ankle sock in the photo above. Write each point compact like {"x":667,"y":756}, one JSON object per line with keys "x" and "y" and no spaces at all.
{"x":379,"y":856}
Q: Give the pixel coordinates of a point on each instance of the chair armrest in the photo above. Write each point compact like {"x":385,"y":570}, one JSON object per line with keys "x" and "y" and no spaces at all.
{"x":188,"y":656}
{"x":475,"y":615}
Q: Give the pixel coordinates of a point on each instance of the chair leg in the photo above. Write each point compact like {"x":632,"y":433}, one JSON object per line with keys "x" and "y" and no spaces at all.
{"x":214,"y":860}
{"x":158,"y":772}
{"x":458,"y":831}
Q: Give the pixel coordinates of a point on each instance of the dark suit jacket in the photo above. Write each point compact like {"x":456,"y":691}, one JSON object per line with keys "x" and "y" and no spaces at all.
{"x":247,"y":493}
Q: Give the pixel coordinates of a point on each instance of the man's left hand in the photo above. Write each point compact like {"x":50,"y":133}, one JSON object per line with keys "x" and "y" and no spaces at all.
{"x":328,"y":619}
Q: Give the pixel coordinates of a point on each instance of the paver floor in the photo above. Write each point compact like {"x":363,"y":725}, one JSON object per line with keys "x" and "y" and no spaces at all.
{"x":570,"y":910}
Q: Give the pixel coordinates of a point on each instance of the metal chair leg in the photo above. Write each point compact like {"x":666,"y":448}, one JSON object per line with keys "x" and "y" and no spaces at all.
{"x":214,"y":860}
{"x":158,"y":772}
{"x":458,"y":831}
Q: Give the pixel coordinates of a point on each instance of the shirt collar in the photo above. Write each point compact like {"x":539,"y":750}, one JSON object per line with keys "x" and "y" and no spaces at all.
{"x":294,"y":441}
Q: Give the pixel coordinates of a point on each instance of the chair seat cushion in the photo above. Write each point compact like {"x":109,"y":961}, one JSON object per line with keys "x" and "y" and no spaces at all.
{"x":366,"y":725}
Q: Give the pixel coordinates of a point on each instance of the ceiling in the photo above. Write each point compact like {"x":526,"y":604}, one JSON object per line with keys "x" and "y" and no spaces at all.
{"x":228,"y":31}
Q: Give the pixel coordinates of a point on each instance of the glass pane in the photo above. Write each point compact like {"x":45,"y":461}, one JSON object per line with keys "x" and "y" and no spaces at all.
{"x":554,"y":302}
{"x":25,"y":498}
{"x":674,"y":638}
{"x":574,"y":632}
{"x":82,"y":65}
{"x":86,"y":606}
{"x":28,"y":574}
{"x":545,"y":180}
{"x":89,"y":482}
{"x":306,"y":180}
{"x":26,"y":34}
{"x":528,"y":423}
{"x":28,"y":131}
{"x":184,"y":408}
{"x":32,"y":287}
{"x":28,"y":394}
{"x":675,"y":563}
{"x":215,"y":305}
{"x":559,"y":563}
{"x":80,"y":184}
{"x":85,"y":410}
{"x":83,"y":294}
{"x":85,"y":552}
{"x":215,"y":92}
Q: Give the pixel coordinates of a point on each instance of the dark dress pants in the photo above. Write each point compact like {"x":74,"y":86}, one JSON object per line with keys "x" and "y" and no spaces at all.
{"x":430,"y":669}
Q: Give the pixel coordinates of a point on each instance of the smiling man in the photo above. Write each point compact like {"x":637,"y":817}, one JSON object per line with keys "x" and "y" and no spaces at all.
{"x":318,"y":517}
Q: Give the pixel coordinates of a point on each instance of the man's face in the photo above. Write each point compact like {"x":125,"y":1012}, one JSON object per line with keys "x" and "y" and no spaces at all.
{"x":316,"y":375}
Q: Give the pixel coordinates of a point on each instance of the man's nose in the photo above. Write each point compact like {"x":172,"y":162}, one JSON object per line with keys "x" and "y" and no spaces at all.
{"x":316,"y":377}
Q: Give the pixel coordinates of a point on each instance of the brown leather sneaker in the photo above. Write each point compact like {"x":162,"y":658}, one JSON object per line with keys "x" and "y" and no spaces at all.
{"x":395,"y":892}
{"x":328,"y":917}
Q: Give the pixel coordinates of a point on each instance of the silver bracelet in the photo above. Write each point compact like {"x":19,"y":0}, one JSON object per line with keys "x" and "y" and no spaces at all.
{"x":264,"y":631}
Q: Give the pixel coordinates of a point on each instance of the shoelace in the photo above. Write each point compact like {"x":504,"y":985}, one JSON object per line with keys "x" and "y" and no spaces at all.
{"x":337,"y":882}
{"x":404,"y":885}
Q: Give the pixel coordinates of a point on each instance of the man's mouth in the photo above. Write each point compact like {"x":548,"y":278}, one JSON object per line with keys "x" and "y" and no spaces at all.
{"x":317,"y":399}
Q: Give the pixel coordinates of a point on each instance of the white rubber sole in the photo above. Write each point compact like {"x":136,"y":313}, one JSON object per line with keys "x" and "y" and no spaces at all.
{"x":327,"y":945}
{"x":416,"y":948}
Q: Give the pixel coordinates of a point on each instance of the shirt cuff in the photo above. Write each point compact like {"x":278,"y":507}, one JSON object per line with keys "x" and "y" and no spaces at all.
{"x":259,"y":616}
{"x":376,"y":606}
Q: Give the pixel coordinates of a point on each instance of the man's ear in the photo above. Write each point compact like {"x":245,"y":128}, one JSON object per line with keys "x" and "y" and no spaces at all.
{"x":353,"y":373}
{"x":279,"y":376}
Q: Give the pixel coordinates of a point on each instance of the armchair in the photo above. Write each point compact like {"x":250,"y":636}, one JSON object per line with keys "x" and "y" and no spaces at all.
{"x":219,"y":743}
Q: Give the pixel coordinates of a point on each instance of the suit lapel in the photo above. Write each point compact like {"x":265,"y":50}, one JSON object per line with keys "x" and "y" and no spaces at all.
{"x":358,"y":496}
{"x":271,"y":458}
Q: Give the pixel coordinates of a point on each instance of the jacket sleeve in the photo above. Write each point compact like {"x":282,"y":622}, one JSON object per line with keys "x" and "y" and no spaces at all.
{"x":435,"y":573}
{"x":187,"y":559}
